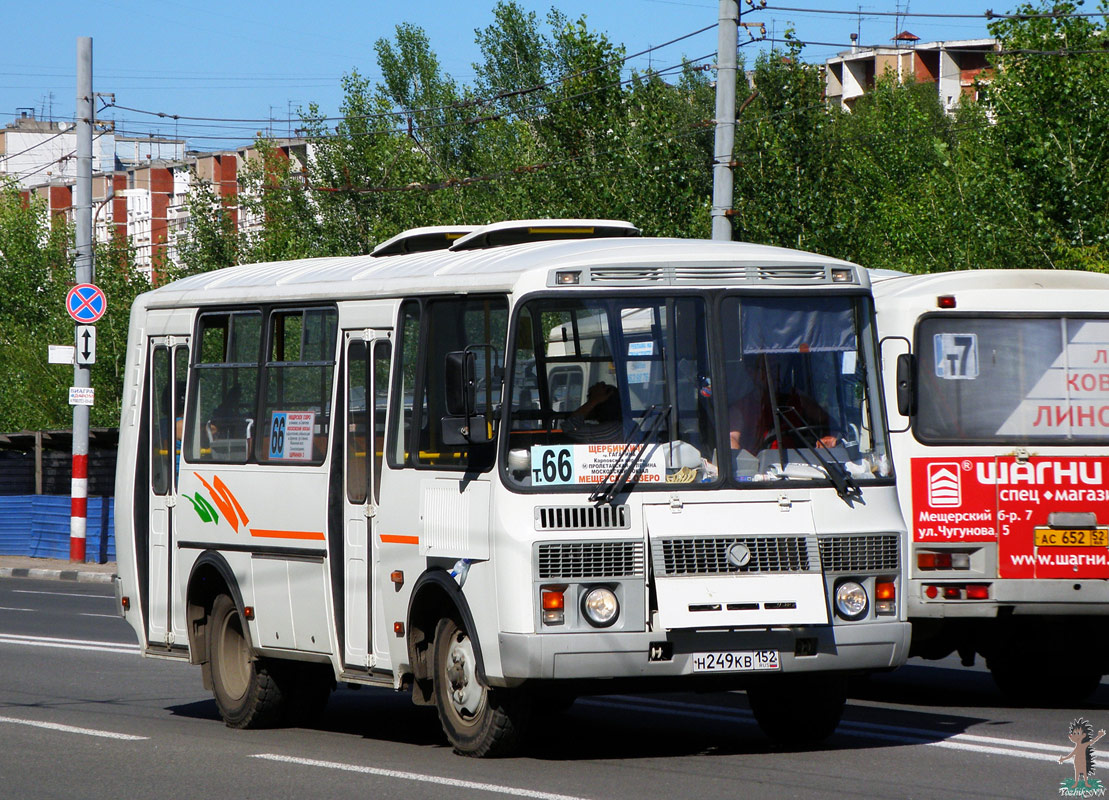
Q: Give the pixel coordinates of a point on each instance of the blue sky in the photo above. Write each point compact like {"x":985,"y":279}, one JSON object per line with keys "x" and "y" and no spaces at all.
{"x":261,"y":61}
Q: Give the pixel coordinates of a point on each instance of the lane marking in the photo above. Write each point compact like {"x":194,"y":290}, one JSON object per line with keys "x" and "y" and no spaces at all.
{"x":101,"y":616}
{"x":54,"y":726}
{"x":69,"y":644}
{"x":416,"y":776}
{"x":6,"y":608}
{"x":991,"y":745}
{"x":64,"y":594}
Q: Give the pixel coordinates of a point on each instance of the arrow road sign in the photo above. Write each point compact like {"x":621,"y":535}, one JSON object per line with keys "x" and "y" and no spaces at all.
{"x":86,"y":303}
{"x":86,"y":344}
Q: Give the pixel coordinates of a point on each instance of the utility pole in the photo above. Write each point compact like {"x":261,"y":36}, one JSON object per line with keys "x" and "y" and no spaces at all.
{"x":722,"y":182}
{"x":82,"y":379}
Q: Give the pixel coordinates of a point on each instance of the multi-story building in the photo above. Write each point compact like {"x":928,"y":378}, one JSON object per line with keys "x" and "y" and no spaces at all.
{"x":141,"y":186}
{"x":955,"y":67}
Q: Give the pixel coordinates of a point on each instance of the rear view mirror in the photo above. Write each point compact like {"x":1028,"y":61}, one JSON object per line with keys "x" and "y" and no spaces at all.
{"x":906,"y":396}
{"x":460,"y":389}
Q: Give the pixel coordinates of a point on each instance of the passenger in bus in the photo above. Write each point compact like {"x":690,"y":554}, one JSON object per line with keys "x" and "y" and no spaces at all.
{"x":598,"y":419}
{"x":225,"y":414}
{"x":751,"y":420}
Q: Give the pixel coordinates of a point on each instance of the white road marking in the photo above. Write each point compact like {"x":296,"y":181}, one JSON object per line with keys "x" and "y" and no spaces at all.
{"x":53,"y":726}
{"x":5,"y":608}
{"x":69,"y":644}
{"x":416,"y":776}
{"x":101,"y":616}
{"x":991,"y":745}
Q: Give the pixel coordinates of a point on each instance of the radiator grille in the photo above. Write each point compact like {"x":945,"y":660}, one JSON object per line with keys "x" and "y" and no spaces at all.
{"x":591,"y":560}
{"x":870,"y":553}
{"x":582,"y":518}
{"x":709,"y":555}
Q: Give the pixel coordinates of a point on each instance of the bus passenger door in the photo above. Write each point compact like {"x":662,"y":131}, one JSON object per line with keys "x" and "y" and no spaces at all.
{"x":367,"y":379}
{"x":169,"y":366}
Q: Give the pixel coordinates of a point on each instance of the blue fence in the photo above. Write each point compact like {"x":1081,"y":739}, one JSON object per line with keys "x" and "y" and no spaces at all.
{"x":38,"y":525}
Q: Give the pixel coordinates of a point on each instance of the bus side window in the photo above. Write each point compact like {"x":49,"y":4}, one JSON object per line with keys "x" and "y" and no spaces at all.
{"x":300,"y":367}
{"x":224,"y":389}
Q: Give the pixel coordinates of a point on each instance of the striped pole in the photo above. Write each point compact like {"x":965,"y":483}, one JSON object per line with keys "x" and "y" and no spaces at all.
{"x":83,"y":268}
{"x":79,"y":505}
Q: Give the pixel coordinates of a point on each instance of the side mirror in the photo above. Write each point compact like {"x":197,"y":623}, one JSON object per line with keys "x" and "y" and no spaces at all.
{"x":460,"y":426}
{"x":906,"y":396}
{"x":460,"y":388}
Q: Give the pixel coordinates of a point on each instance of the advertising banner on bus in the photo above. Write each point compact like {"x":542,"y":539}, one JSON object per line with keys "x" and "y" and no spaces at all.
{"x":1003,"y":499}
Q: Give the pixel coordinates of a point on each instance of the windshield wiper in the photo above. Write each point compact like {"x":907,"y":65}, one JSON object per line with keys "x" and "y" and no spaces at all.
{"x":630,"y":456}
{"x":844,"y":484}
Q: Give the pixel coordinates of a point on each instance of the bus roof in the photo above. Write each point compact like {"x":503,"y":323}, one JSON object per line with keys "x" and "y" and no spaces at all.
{"x":611,"y":262}
{"x":890,"y":283}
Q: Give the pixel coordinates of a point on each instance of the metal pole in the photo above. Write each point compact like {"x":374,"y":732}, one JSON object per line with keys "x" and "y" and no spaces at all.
{"x":78,"y":515}
{"x":726,"y":45}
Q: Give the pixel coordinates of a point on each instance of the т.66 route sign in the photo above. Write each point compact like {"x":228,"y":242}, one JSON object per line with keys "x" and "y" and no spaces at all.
{"x":86,"y":303}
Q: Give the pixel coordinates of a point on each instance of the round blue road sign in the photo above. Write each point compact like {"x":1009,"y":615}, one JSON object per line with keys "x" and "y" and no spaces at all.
{"x":86,"y":303}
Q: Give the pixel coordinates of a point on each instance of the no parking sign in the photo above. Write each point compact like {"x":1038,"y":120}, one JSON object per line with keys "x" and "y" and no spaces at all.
{"x":86,"y":303}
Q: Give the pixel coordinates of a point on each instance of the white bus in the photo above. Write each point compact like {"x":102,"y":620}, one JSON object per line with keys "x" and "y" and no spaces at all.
{"x":494,"y":467}
{"x":998,"y":390}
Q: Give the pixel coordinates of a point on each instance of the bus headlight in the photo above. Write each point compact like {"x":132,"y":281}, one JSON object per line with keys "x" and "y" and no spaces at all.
{"x":600,"y":606}
{"x":851,"y":600}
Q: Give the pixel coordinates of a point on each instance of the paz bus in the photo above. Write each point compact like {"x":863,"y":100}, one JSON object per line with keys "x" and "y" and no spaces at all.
{"x":493,"y":467}
{"x":998,"y":392}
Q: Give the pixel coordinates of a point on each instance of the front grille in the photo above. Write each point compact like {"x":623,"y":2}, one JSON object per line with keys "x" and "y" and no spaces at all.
{"x":709,"y":555}
{"x":867,"y":553}
{"x":590,"y":560}
{"x":582,"y":518}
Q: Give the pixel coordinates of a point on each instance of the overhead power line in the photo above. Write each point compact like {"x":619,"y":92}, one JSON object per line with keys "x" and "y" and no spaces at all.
{"x":986,"y":15}
{"x":462,"y":104}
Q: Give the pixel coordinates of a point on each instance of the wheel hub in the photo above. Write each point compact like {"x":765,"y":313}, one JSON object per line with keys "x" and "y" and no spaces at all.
{"x":466,"y":693}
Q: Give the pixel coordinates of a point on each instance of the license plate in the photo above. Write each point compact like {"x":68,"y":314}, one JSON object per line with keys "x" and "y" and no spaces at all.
{"x":1089,"y":537}
{"x":736,"y":661}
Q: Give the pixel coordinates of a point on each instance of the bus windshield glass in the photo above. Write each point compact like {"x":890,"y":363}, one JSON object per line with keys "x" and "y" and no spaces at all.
{"x":649,"y":391}
{"x":1012,"y":379}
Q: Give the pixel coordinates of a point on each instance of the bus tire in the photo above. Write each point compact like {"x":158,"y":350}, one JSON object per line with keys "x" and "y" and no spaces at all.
{"x":798,"y":711}
{"x":479,"y":721}
{"x":246,"y":689}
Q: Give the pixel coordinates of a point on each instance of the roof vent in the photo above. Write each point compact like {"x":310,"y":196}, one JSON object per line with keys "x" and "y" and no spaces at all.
{"x":423,"y":240}
{"x":500,"y":234}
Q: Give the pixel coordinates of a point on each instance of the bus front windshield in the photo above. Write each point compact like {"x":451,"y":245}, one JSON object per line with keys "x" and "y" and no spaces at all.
{"x":652,"y":392}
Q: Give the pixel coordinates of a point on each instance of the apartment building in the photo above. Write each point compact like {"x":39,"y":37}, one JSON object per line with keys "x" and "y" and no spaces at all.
{"x":141,"y":186}
{"x":955,"y":67}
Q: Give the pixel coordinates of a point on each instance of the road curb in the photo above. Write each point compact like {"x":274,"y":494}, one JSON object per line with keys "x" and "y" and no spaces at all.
{"x":55,"y":574}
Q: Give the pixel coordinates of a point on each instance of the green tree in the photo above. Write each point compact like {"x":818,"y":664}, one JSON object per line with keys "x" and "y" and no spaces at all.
{"x":1049,"y":99}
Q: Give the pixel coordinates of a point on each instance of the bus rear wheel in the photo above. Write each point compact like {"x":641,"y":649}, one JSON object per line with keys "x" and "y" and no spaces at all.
{"x":798,"y":711}
{"x":246,"y":689}
{"x":478,"y":720}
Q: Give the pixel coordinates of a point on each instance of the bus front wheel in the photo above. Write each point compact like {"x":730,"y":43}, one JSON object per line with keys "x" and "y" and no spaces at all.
{"x":246,"y":690}
{"x":478,"y":720}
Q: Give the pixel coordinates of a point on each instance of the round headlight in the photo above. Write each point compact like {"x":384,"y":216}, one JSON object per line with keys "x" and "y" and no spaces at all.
{"x":851,"y":600}
{"x":600,"y":606}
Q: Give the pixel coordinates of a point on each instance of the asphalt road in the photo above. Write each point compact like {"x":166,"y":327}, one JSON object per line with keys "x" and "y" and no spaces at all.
{"x":82,"y":715}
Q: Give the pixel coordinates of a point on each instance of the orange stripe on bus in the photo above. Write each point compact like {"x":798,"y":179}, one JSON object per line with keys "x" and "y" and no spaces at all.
{"x":394,"y":539}
{"x":317,"y":535}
